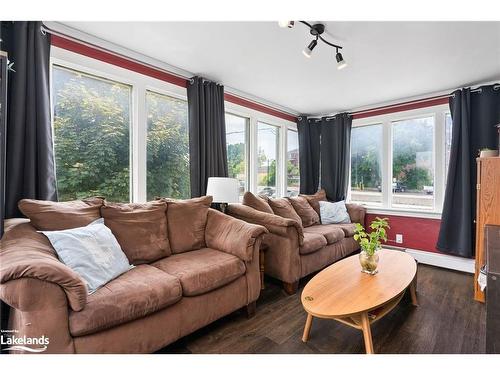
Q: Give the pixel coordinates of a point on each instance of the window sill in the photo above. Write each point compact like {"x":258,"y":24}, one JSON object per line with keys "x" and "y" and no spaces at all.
{"x":405,"y":213}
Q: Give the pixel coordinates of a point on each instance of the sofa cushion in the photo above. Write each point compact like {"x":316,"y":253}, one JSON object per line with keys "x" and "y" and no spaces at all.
{"x":333,"y":213}
{"x":91,"y":251}
{"x":140,"y":228}
{"x":305,"y":211}
{"x":203,"y":270}
{"x":315,"y":198}
{"x":348,"y":229}
{"x":135,"y":294}
{"x":332,"y":232}
{"x":186,"y":222}
{"x":48,"y":215}
{"x":282,"y":207}
{"x":312,"y":242}
{"x":258,"y":203}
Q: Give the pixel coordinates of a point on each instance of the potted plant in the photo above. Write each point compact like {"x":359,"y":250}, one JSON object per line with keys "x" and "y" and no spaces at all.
{"x":370,"y":243}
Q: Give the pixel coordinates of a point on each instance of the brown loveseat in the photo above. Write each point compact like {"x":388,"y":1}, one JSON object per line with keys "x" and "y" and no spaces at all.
{"x":297,"y":244}
{"x":209,"y":268}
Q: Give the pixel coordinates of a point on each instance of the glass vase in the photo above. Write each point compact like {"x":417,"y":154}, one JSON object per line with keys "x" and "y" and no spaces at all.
{"x":368,"y":262}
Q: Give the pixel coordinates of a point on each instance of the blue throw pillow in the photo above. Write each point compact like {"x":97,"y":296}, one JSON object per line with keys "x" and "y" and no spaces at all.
{"x":91,"y":251}
{"x":334,"y":213}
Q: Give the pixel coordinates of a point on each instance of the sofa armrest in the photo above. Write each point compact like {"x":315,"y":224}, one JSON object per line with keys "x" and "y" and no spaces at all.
{"x":231,"y":235}
{"x":274,"y":223}
{"x":356,"y":213}
{"x":28,"y":254}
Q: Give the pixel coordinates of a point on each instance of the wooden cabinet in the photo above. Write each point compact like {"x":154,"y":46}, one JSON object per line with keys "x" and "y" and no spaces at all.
{"x":488,"y":209}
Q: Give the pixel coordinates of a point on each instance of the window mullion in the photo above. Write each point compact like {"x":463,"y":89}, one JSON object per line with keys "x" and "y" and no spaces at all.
{"x":139,"y":137}
{"x":387,"y":164}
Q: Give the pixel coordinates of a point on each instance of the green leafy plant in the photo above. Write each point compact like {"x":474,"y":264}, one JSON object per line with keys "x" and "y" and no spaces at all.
{"x":371,"y":241}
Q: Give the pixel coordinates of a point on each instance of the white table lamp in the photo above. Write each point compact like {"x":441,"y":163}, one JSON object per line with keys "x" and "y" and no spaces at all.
{"x":223,"y":190}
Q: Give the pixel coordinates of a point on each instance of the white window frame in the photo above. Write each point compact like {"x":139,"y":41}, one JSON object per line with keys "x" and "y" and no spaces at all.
{"x":285,"y":160}
{"x":140,"y":84}
{"x":438,"y":112}
{"x":138,"y":132}
{"x":247,"y":144}
{"x":282,"y":125}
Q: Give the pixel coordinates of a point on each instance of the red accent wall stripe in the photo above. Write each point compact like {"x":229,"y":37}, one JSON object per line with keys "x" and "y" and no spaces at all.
{"x":110,"y":58}
{"x":418,"y":233}
{"x":258,"y":107}
{"x":430,"y":102}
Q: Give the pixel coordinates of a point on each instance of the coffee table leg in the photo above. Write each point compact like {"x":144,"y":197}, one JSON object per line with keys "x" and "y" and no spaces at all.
{"x":307,"y":328}
{"x":367,"y":333}
{"x":413,"y":292}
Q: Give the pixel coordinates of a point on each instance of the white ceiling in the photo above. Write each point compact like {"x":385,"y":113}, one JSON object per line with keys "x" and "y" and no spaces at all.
{"x":387,"y":60}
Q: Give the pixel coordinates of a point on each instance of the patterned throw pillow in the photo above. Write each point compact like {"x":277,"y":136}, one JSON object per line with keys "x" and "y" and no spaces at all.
{"x":92,"y":252}
{"x":333,"y":212}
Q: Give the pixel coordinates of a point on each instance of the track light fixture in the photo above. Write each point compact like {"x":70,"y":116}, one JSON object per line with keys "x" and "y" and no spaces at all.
{"x":285,"y":24}
{"x":341,"y":64}
{"x":316,"y":30}
{"x":308,"y":50}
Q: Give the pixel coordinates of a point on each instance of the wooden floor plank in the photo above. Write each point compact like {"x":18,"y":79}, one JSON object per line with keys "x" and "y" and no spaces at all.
{"x":447,"y":320}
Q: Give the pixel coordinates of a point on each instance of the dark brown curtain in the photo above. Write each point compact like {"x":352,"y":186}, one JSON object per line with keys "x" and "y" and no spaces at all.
{"x":29,"y":162}
{"x":30,"y":171}
{"x":207,"y":133}
{"x":309,"y":142}
{"x":474,"y":114}
{"x":335,"y":155}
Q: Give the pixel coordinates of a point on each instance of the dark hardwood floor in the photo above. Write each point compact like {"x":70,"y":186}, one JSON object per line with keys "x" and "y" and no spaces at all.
{"x":447,"y":320}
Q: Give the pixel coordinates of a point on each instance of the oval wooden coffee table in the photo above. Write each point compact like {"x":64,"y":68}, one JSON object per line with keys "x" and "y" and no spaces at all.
{"x":344,"y":293}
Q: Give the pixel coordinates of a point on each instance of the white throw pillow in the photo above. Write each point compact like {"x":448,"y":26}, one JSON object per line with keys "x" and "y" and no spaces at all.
{"x":333,"y":212}
{"x":91,"y":251}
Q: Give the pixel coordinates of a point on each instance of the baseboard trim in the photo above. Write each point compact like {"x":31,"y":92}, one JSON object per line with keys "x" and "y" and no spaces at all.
{"x":442,"y":260}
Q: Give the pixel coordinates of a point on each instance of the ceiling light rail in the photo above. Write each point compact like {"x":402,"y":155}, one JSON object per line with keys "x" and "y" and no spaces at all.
{"x":316,"y":31}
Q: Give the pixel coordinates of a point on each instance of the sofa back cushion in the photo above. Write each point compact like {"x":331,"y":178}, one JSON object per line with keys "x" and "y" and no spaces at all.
{"x":48,"y":215}
{"x":315,"y":198}
{"x":140,"y":228}
{"x":257,"y":203}
{"x":186,"y":222}
{"x":305,"y":211}
{"x":282,"y":207}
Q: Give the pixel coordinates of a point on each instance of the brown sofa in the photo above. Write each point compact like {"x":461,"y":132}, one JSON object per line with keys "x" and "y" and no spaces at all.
{"x":211,"y":270}
{"x":294,"y":250}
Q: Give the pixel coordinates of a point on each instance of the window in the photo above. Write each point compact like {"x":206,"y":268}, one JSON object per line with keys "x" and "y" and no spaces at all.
{"x":267,"y":159}
{"x":91,"y":135}
{"x":236,"y":140}
{"x":447,"y":149}
{"x":413,"y":163}
{"x":124,"y":135}
{"x":292,"y":163}
{"x":399,"y":161}
{"x":167,"y":147}
{"x":366,"y":164}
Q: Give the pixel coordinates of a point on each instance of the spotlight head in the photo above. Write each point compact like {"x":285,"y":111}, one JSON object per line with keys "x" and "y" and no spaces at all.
{"x":341,"y":64}
{"x":308,"y":50}
{"x":285,"y":24}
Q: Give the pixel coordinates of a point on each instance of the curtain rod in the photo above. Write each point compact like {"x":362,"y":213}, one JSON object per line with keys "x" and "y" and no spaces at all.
{"x":423,"y":100}
{"x":44,"y":29}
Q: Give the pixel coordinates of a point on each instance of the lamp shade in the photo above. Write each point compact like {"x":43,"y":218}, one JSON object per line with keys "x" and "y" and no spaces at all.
{"x":223,"y":189}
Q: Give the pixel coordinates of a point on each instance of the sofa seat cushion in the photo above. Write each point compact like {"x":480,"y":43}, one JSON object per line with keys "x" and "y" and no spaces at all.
{"x":348,"y":229}
{"x":331,"y":232}
{"x":201,"y":271}
{"x":312,"y":242}
{"x":133,"y":295}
